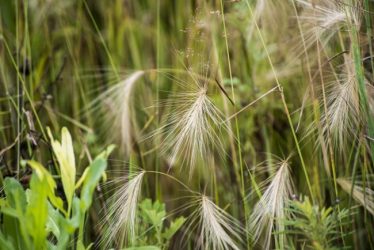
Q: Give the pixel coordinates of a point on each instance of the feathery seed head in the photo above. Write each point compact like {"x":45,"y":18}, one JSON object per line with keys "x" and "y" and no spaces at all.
{"x":120,"y":116}
{"x":321,"y":21}
{"x":122,"y":210}
{"x":271,"y":206}
{"x":192,"y":128}
{"x":218,"y":230}
{"x":362,"y":194}
{"x":342,"y":113}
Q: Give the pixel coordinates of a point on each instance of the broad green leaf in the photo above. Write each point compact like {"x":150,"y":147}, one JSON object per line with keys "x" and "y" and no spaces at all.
{"x":63,"y":228}
{"x":146,"y":204}
{"x":81,"y":180}
{"x":13,"y":209}
{"x":5,"y":243}
{"x":80,"y":245}
{"x":52,"y":225}
{"x":15,"y":195}
{"x":155,"y":212}
{"x":16,"y":232}
{"x":67,"y":144}
{"x":11,"y":212}
{"x":92,"y":176}
{"x":37,"y":210}
{"x":43,"y":174}
{"x":94,"y":173}
{"x":173,"y":228}
{"x":77,"y":216}
{"x":64,"y":153}
{"x":104,"y":155}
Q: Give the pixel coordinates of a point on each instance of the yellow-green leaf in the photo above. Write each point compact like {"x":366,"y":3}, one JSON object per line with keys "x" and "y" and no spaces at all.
{"x":44,"y":175}
{"x":64,"y":153}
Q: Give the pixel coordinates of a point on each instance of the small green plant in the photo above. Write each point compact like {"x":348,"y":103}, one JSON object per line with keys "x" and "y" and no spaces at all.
{"x":319,"y":227}
{"x":36,"y":217}
{"x":152,"y":226}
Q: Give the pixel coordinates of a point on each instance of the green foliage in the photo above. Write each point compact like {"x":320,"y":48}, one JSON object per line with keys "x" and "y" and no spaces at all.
{"x":288,"y":77}
{"x":152,"y":225}
{"x":64,"y":153}
{"x":320,"y":227}
{"x":35,"y":217}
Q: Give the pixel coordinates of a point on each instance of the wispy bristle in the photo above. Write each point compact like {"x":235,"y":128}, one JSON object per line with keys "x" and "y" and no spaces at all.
{"x":323,"y":20}
{"x":192,"y":128}
{"x":269,"y":212}
{"x":218,"y":229}
{"x":122,"y":210}
{"x":362,"y":194}
{"x":342,"y":115}
{"x":120,"y":118}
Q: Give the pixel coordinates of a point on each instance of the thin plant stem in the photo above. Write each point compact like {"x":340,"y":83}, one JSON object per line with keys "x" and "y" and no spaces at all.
{"x":284,"y":105}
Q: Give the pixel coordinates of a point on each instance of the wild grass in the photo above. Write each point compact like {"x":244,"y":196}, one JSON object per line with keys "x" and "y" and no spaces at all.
{"x":270,"y":210}
{"x":239,"y":124}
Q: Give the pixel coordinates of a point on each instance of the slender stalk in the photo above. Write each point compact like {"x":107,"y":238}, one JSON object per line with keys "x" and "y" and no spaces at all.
{"x":369,"y":32}
{"x":284,"y":104}
{"x":241,"y":167}
{"x":26,"y":92}
{"x":158,"y":64}
{"x":102,"y":41}
{"x":19,"y":89}
{"x":329,"y":144}
{"x":363,"y":96}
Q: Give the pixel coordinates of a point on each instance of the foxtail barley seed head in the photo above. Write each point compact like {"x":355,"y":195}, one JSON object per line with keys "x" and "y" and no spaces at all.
{"x":362,"y":194}
{"x":321,"y":20}
{"x":218,"y":230}
{"x":270,"y":209}
{"x":192,"y":128}
{"x":342,"y":117}
{"x":122,"y":210}
{"x":120,"y":116}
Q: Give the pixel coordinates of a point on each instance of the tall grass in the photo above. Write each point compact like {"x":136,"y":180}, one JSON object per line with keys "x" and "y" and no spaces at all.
{"x":203,"y":99}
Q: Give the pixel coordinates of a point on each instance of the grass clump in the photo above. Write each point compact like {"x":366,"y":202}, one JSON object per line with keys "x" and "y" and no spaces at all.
{"x":223,"y":112}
